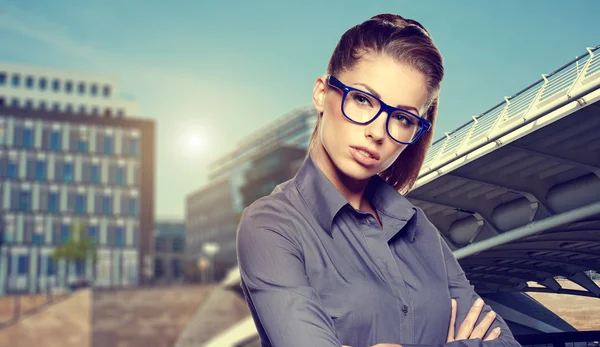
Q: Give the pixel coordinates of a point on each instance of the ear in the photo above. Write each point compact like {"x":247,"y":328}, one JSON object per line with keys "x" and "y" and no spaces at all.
{"x":319,"y":90}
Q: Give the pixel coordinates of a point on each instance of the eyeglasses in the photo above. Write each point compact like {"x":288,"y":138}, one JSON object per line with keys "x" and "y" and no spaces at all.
{"x":363,"y":108}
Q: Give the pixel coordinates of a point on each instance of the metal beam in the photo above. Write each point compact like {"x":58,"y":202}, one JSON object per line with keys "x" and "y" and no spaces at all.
{"x":576,"y":265}
{"x":547,"y":272}
{"x":533,"y":191}
{"x":561,"y":291}
{"x":544,"y":246}
{"x":556,"y":157}
{"x":482,"y":214}
{"x":503,"y":274}
{"x":530,"y":229}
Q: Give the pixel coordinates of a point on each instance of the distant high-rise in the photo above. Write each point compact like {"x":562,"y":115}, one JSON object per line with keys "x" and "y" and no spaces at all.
{"x":71,"y":149}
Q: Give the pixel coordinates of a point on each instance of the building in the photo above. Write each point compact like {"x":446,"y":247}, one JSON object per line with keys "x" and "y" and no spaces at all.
{"x":213,"y":212}
{"x":169,"y":251}
{"x":72,"y":150}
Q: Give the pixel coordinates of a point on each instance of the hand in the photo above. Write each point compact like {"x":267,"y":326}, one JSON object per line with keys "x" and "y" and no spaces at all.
{"x":466,"y":330}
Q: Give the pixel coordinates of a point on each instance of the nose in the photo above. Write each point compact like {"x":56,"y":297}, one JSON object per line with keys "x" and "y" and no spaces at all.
{"x":377,"y":129}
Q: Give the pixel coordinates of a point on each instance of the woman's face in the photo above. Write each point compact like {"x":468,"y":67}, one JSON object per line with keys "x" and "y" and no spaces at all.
{"x":395,"y":84}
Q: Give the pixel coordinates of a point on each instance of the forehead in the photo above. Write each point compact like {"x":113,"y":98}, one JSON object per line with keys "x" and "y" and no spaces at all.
{"x":396,"y":83}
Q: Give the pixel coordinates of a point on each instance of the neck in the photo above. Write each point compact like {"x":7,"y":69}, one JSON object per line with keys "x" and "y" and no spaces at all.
{"x":352,"y":189}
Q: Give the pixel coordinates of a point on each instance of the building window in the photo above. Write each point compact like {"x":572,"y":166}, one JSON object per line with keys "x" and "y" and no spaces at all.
{"x":95,"y":174}
{"x":107,"y":112}
{"x":50,"y":266}
{"x":56,"y":85}
{"x":43,"y":83}
{"x":69,"y":108}
{"x":53,"y":202}
{"x":68,"y":172}
{"x":134,"y":147}
{"x":12,"y":170}
{"x":16,"y":80}
{"x":56,"y":107}
{"x":108,"y":144}
{"x":119,"y":236}
{"x":25,"y":201}
{"x":2,"y":102}
{"x":55,"y":140}
{"x":81,"y":88}
{"x":95,"y":111}
{"x":64,"y":233}
{"x":106,"y":91}
{"x":40,"y":170}
{"x":121,"y":176}
{"x":28,"y":138}
{"x":38,"y":236}
{"x":42,"y":105}
{"x":23,"y":264}
{"x":120,"y":113}
{"x":69,"y":87}
{"x":29,"y":104}
{"x":133,"y":206}
{"x":82,"y":109}
{"x":15,"y":102}
{"x":82,"y":145}
{"x":2,"y":78}
{"x":80,"y":204}
{"x":92,"y":233}
{"x":94,"y":90}
{"x":29,"y":82}
{"x":107,"y":205}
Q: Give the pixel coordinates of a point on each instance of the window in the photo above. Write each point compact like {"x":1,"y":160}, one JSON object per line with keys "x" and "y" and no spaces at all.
{"x":12,"y":170}
{"x":29,"y":82}
{"x":53,"y":202}
{"x":121,"y":176}
{"x":80,"y":267}
{"x":64,"y":233}
{"x":120,"y":113}
{"x":42,"y":106}
{"x":23,"y":264}
{"x":29,"y":104}
{"x":69,"y":87}
{"x":119,"y":236}
{"x":55,"y":140}
{"x":56,"y":107}
{"x":81,"y":88}
{"x":134,"y":147}
{"x":2,"y":78}
{"x":92,"y":233}
{"x":95,"y":111}
{"x":28,"y":138}
{"x":68,"y":172}
{"x":107,"y":112}
{"x":14,"y":102}
{"x":43,"y":83}
{"x":25,"y":201}
{"x":82,"y":109}
{"x":133,"y":206}
{"x":107,"y":205}
{"x":40,"y":170}
{"x":16,"y":80}
{"x":94,"y":90}
{"x":106,"y":91}
{"x":80,"y":203}
{"x":38,"y":236}
{"x":56,"y":86}
{"x":50,"y":266}
{"x":69,"y":108}
{"x":82,"y":145}
{"x":108,"y":144}
{"x":2,"y":102}
{"x":95,"y":174}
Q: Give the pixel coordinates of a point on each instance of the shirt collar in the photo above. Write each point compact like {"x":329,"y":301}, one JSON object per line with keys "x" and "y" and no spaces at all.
{"x":324,"y":200}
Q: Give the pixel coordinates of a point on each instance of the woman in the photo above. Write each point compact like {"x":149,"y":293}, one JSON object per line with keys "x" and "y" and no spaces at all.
{"x":336,"y":256}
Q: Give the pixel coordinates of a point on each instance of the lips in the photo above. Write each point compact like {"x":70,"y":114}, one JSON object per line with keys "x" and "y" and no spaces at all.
{"x":371,"y":152}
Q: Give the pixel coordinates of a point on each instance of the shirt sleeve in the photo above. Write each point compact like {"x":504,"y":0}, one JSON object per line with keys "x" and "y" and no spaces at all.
{"x":464,"y":294}
{"x":284,"y":306}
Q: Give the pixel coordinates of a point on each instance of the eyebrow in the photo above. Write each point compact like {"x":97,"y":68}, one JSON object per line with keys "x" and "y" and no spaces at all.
{"x":372,"y":91}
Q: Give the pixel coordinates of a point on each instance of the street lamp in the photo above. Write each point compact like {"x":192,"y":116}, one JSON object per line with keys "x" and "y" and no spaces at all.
{"x":210,"y":249}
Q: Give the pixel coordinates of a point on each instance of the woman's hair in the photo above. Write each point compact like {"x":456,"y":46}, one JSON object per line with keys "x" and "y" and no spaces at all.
{"x":408,"y":42}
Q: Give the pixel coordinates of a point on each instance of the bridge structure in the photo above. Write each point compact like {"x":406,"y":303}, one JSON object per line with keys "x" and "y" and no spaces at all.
{"x":515,"y":193}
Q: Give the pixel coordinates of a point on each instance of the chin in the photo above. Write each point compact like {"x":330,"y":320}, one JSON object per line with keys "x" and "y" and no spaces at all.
{"x":355,"y":171}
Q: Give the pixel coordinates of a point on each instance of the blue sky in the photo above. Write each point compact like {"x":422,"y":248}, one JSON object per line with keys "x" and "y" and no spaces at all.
{"x":223,"y":69}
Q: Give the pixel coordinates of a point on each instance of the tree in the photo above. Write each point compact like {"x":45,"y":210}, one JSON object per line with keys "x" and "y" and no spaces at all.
{"x":78,"y":247}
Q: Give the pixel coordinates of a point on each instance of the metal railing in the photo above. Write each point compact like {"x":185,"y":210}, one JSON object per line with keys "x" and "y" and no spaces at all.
{"x":568,"y":82}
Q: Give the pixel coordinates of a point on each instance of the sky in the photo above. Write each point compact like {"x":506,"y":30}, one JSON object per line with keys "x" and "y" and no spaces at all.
{"x":218,"y":71}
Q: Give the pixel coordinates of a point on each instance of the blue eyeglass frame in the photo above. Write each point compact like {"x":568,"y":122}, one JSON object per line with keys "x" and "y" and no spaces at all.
{"x":336,"y":83}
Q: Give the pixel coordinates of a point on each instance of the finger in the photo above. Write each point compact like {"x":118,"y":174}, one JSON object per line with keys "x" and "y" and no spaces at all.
{"x":450,"y":337}
{"x":467,"y":326}
{"x":494,"y":334}
{"x":483,"y":326}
